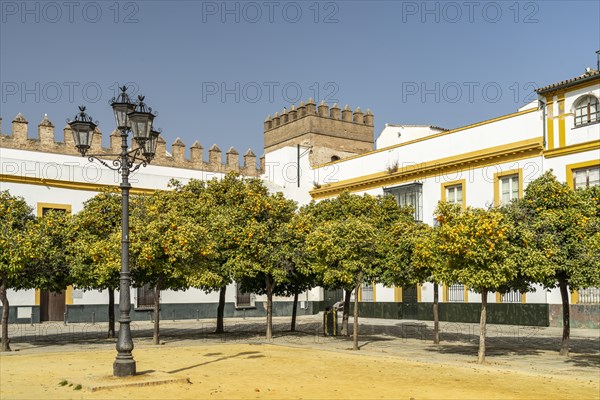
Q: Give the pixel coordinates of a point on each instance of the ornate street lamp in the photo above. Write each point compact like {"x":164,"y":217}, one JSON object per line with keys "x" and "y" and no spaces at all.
{"x":136,"y":118}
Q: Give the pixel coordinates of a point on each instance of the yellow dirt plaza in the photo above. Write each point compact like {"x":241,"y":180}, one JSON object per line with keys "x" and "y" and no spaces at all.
{"x":265,"y":371}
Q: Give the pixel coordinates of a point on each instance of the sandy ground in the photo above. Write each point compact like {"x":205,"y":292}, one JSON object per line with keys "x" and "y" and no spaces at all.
{"x":305,"y":368}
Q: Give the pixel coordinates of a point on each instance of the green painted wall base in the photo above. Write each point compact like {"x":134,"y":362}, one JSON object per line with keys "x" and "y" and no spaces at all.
{"x":178,"y":311}
{"x":581,"y":315}
{"x":503,"y":313}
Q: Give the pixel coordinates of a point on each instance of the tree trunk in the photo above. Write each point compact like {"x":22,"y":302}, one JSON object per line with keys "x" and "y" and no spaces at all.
{"x":564,"y":294}
{"x":4,"y":299}
{"x":221,"y":311}
{"x":294,"y":312}
{"x":355,"y":333}
{"x":346,"y":312}
{"x":436,"y":319}
{"x":111,"y":313}
{"x":269,"y":308}
{"x":482,"y":327}
{"x":156,"y":336}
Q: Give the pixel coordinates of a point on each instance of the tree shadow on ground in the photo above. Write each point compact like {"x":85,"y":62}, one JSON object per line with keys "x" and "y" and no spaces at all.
{"x":251,"y":354}
{"x":585,"y":360}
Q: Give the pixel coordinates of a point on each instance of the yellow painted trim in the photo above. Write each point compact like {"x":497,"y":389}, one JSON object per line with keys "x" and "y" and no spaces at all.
{"x":575,"y":297}
{"x":550,"y":122}
{"x":562,"y":136}
{"x":54,"y":206}
{"x":459,"y":182}
{"x":510,"y":172}
{"x":444,"y":293}
{"x":398,"y":294}
{"x":27,"y":180}
{"x":523,"y":298}
{"x":458,"y":163}
{"x":38,"y":294}
{"x":69,"y":295}
{"x":419,"y":287}
{"x":374,"y":292}
{"x":476,"y":124}
{"x":571,"y":167}
{"x":466,"y":298}
{"x":498,"y":297}
{"x":573,"y":149}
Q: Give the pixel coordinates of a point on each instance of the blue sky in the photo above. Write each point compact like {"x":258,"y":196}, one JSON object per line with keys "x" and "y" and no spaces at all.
{"x":214,"y":70}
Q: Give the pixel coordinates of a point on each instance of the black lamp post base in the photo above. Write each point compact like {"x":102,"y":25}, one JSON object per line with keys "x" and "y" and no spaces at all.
{"x":124,"y":367}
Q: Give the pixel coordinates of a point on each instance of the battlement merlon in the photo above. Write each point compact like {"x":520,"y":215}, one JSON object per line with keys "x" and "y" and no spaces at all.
{"x":46,"y":142}
{"x":342,"y":132}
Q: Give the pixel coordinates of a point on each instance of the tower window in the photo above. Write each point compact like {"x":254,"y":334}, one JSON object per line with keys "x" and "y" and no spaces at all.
{"x":587,"y":110}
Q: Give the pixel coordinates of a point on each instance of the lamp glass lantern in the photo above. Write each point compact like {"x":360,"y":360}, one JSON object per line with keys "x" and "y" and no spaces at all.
{"x":83,"y":130}
{"x":149,"y":146}
{"x":141,"y":125}
{"x":122,"y":107}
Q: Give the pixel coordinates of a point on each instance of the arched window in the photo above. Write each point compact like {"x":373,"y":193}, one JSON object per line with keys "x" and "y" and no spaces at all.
{"x":587,"y":110}
{"x":335,"y":158}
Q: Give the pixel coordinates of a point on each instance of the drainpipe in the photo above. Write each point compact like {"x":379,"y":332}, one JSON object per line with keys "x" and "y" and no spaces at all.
{"x":542,"y":104}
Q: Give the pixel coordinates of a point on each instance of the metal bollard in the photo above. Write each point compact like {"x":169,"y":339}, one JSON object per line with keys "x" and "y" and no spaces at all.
{"x":197,"y":315}
{"x":65,"y":318}
{"x":93,"y":318}
{"x":173,"y":315}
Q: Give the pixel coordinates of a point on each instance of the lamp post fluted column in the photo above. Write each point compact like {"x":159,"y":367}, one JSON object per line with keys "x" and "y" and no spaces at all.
{"x":134,"y":118}
{"x":124,"y":364}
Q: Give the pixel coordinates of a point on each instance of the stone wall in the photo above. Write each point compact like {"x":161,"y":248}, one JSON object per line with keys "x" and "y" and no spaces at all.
{"x":47,"y":142}
{"x":332,"y":132}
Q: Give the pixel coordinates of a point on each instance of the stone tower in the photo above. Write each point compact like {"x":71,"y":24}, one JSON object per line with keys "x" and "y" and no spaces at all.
{"x":333,"y":133}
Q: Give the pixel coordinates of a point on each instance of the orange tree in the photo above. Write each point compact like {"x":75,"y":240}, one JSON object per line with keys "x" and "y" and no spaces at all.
{"x":263,"y":263}
{"x":479,"y":254}
{"x":380,"y":211}
{"x":14,"y":215}
{"x":223,"y":206}
{"x":94,"y":258}
{"x":168,"y":247}
{"x":558,"y":234}
{"x":411,"y":257}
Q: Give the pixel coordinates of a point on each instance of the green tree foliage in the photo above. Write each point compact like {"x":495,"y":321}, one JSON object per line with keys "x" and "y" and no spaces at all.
{"x":15,"y":214}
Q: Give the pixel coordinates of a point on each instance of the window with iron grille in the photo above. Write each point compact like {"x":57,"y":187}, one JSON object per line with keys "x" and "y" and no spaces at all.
{"x":456,"y":293}
{"x":586,"y":177}
{"x":589,"y":295}
{"x":514,"y":296}
{"x":587,"y":110}
{"x":145,"y":296}
{"x":409,"y":195}
{"x":366,"y":291}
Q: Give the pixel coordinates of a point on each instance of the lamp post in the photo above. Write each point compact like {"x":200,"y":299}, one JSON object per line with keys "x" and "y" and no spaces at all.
{"x":134,"y":118}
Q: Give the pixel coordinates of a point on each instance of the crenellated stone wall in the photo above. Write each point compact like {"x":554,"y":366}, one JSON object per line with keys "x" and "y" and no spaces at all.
{"x":332,"y":132}
{"x":47,"y":142}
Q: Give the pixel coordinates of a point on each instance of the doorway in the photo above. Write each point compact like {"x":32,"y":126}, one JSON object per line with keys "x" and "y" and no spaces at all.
{"x":52,"y":306}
